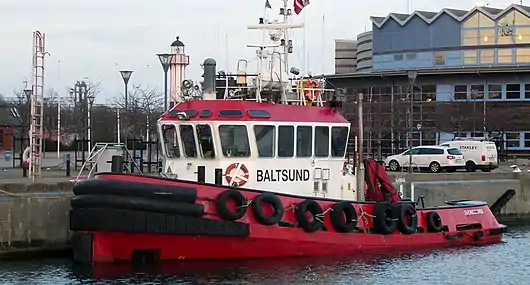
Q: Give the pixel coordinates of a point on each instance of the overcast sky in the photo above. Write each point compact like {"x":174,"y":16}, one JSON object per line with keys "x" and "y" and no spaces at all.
{"x":93,"y":39}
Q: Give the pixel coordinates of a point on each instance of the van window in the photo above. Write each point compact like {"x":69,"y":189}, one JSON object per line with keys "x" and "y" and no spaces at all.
{"x":265,"y":139}
{"x":321,"y":141}
{"x":304,"y":141}
{"x":204,"y":134}
{"x":171,"y":143}
{"x":431,"y":151}
{"x":339,"y":139}
{"x":285,"y":141}
{"x":188,"y":140}
{"x":454,"y":151}
{"x":234,"y":140}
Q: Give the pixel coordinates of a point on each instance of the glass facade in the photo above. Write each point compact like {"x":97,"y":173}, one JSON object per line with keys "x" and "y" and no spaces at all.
{"x":480,"y":30}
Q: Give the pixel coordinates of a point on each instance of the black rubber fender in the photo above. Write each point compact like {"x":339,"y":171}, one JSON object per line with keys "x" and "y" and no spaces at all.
{"x":407,"y":219}
{"x":385,"y":218}
{"x":274,"y":202}
{"x":478,"y":235}
{"x":434,"y":222}
{"x":314,"y":223}
{"x":136,"y":189}
{"x":136,"y":203}
{"x":343,"y":217}
{"x":221,"y":203}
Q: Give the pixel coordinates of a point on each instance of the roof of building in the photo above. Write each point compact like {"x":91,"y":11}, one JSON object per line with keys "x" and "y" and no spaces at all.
{"x":177,"y":43}
{"x":432,"y":71}
{"x":459,"y":15}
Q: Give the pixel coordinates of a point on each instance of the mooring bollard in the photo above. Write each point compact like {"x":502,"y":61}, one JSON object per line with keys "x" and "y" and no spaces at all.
{"x":67,"y":162}
{"x":117,"y":164}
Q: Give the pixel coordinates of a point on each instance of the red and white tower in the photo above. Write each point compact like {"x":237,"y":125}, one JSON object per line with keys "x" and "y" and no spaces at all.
{"x":35,"y":135}
{"x":177,"y":70}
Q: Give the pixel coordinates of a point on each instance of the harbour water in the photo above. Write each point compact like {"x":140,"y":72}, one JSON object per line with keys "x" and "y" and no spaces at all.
{"x":505,"y":263}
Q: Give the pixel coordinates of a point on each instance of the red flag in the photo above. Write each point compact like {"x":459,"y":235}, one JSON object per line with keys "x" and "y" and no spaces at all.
{"x":299,"y":5}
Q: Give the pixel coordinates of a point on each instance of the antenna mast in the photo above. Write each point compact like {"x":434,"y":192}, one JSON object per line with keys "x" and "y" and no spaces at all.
{"x":286,"y":14}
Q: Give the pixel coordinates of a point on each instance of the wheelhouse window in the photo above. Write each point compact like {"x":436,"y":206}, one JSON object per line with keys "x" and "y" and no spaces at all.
{"x":304,"y":141}
{"x":171,"y":143}
{"x":188,"y":141}
{"x":206,"y":142}
{"x":339,"y":139}
{"x":285,"y":141}
{"x":265,"y":139}
{"x":321,"y":141}
{"x":234,"y":140}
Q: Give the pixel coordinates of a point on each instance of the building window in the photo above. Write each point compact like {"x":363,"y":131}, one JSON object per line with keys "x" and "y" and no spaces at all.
{"x":487,"y":37}
{"x":234,"y":140}
{"x":512,"y":139}
{"x":513,"y":91}
{"x":472,"y":22}
{"x":398,"y":57}
{"x":494,"y":91}
{"x":470,"y":37}
{"x":460,"y":92}
{"x":428,"y":93}
{"x":265,"y":140}
{"x":523,"y":54}
{"x":487,"y":56}
{"x":505,"y":55}
{"x":285,"y":141}
{"x":410,"y":56}
{"x":522,"y":35}
{"x":527,"y":140}
{"x":527,"y":91}
{"x":439,"y":58}
{"x":520,"y":19}
{"x":477,"y":92}
{"x":470,"y":57}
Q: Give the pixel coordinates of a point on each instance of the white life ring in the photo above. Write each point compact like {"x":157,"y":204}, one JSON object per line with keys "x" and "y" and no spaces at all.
{"x":26,"y":157}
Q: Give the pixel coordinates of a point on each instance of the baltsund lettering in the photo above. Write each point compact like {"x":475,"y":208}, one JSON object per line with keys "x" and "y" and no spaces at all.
{"x":283,"y":175}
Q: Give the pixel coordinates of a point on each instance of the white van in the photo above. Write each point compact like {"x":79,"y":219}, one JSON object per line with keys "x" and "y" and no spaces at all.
{"x":432,"y":157}
{"x":477,"y":154}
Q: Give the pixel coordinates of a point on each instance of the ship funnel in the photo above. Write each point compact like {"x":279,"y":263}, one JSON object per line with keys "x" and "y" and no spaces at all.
{"x":209,"y":75}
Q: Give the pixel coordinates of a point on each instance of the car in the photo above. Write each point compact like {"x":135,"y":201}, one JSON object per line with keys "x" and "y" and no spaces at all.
{"x":433,"y":158}
{"x":480,"y":155}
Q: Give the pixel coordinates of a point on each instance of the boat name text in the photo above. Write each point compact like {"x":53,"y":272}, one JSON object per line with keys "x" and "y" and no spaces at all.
{"x":283,"y":175}
{"x":473,"y":212}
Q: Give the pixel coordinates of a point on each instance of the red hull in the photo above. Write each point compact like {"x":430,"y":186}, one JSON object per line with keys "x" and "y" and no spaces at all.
{"x":118,"y":247}
{"x":277,"y":241}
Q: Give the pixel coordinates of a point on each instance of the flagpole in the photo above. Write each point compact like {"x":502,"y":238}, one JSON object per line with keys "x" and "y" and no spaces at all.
{"x":323,"y":42}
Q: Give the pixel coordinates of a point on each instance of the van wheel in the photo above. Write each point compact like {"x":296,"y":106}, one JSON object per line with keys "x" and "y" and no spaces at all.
{"x":470,"y":166}
{"x":435,"y":167}
{"x":393,"y":165}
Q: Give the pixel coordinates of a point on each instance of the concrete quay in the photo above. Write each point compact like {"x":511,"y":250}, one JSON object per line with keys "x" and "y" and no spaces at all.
{"x":34,"y":216}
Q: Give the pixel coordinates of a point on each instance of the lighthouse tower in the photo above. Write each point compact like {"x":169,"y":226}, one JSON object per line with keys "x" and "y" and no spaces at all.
{"x":177,"y":70}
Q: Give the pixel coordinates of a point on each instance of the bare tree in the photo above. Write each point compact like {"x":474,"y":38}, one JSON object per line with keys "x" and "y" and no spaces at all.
{"x":74,"y":112}
{"x":145,"y":105}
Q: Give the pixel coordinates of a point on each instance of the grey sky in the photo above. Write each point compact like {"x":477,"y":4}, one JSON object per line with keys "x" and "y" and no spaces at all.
{"x":96,"y":38}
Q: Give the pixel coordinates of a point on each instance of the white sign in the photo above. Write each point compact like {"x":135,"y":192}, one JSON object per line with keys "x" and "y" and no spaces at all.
{"x":473,"y":212}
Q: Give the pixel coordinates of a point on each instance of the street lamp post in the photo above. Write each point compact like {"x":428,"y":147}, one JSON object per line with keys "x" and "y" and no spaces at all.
{"x":165,"y":60}
{"x":126,"y":75}
{"x":411,"y":74}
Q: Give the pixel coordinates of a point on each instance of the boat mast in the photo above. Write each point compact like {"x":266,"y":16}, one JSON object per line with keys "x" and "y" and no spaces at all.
{"x":286,"y":15}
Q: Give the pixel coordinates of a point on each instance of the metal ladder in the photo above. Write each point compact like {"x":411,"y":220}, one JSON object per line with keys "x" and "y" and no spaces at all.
{"x":95,"y":155}
{"x":35,"y":138}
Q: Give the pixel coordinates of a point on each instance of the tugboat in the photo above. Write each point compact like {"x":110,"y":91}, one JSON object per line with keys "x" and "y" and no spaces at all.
{"x":261,"y":171}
